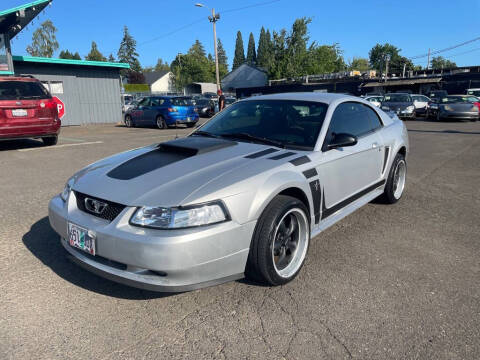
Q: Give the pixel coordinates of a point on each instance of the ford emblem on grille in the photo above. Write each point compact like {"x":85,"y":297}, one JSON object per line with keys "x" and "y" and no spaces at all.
{"x":95,"y":206}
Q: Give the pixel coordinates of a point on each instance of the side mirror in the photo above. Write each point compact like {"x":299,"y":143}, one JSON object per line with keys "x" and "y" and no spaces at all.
{"x":342,"y":140}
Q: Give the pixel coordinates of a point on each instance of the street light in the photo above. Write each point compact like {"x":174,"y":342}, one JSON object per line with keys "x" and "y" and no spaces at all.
{"x":213,"y":19}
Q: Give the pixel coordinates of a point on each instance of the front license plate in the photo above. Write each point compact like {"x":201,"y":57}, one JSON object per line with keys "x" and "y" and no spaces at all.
{"x":19,"y":112}
{"x":78,"y":237}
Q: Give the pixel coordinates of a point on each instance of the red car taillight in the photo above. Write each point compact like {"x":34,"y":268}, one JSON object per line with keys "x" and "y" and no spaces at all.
{"x":477,"y":104}
{"x":48,"y":108}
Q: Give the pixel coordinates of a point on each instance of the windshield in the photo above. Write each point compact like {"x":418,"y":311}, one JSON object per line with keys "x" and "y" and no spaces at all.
{"x":294,"y":124}
{"x":203,"y":102}
{"x":229,"y":100}
{"x":181,"y":101}
{"x":22,"y":90}
{"x":473,"y":92}
{"x":397,"y":98}
{"x":459,"y":99}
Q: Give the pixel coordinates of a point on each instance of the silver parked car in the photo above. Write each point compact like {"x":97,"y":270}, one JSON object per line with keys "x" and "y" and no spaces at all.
{"x":242,"y":195}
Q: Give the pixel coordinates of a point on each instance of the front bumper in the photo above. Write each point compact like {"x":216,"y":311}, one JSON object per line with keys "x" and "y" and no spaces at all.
{"x":158,"y":260}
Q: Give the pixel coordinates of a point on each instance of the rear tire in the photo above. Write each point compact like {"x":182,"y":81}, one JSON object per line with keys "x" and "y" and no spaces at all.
{"x":161,"y":124}
{"x":129,"y":122}
{"x":50,"y":141}
{"x":280,"y":242}
{"x":396,"y":180}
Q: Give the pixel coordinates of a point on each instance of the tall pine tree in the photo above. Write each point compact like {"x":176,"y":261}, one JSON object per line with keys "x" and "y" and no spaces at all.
{"x":251,"y":54}
{"x":222,"y":59}
{"x":127,"y":53}
{"x":239,"y":58}
{"x":95,"y":54}
{"x":263,"y":52}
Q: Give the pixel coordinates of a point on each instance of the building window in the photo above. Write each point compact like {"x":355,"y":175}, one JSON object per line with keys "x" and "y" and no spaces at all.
{"x":54,"y":87}
{"x":3,"y":54}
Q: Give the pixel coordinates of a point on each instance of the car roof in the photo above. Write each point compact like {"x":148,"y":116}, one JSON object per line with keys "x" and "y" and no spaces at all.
{"x":326,"y":98}
{"x":399,"y":93}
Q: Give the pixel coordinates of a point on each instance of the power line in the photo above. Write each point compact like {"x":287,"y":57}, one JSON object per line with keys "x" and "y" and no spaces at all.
{"x":443,"y":50}
{"x":463,"y":53}
{"x":251,"y":6}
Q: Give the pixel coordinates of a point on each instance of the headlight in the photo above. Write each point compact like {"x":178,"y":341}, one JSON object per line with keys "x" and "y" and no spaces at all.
{"x":66,"y":190}
{"x":410,"y":108}
{"x":181,"y":217}
{"x":448,"y":108}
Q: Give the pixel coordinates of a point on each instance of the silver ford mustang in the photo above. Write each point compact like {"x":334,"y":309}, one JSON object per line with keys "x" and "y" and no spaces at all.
{"x":240,"y":196}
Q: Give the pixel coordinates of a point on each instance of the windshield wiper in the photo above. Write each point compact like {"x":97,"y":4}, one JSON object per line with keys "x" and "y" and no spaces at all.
{"x":205,"y":133}
{"x":247,"y":136}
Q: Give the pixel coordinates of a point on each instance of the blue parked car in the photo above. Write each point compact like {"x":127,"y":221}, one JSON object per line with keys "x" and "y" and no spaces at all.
{"x":162,"y":111}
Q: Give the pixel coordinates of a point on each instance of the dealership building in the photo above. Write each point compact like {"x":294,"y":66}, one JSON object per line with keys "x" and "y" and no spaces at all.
{"x":89,"y":90}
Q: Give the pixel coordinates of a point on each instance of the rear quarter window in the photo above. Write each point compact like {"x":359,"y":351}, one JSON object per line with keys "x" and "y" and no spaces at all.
{"x":22,"y":90}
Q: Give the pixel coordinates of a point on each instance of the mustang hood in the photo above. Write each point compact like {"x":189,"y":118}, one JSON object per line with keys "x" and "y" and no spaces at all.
{"x":165,"y":174}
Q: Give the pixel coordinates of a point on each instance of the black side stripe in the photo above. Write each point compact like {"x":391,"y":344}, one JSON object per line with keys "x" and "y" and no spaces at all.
{"x":316,"y":197}
{"x":327,"y":212}
{"x":261,"y":153}
{"x":281,"y":156}
{"x":300,"y":160}
{"x":310,"y":173}
{"x":385,"y":159}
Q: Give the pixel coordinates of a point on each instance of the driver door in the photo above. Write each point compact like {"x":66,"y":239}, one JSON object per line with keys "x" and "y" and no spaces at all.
{"x":347,"y":173}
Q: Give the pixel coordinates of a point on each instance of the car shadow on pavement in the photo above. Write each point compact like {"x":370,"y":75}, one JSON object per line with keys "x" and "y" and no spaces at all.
{"x":45,"y":244}
{"x":20,"y":144}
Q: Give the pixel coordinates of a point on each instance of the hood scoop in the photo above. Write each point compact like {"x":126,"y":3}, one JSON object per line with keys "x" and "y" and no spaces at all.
{"x":167,"y":153}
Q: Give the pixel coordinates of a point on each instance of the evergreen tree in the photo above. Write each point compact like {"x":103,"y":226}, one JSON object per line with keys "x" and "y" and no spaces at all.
{"x":197,"y":50}
{"x":222,"y":59}
{"x":262,"y":50}
{"x":65,"y":54}
{"x":44,"y":41}
{"x":127,"y":53}
{"x":95,"y":54}
{"x":111,"y":58}
{"x":239,"y":58}
{"x":162,"y":66}
{"x":77,"y":56}
{"x":251,"y":54}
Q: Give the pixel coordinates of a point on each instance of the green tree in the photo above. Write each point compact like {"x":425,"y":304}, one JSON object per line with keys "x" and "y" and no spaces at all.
{"x":251,"y":53}
{"x":193,"y":67}
{"x":77,"y":56}
{"x":95,"y":54}
{"x":325,"y":59}
{"x":222,"y":59}
{"x":439,"y":62}
{"x":111,"y":58}
{"x":44,"y":41}
{"x":263,"y":50}
{"x":360,"y":64}
{"x":65,"y":54}
{"x":162,"y":66}
{"x":379,"y":53}
{"x":127,"y":53}
{"x":239,"y":57}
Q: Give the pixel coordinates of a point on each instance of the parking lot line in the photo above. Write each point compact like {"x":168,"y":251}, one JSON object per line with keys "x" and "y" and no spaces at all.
{"x":63,"y":145}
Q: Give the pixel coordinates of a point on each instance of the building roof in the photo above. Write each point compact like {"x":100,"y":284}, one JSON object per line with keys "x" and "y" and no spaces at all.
{"x":34,"y":59}
{"x":393,"y":82}
{"x":152,"y":77}
{"x":246,"y":75}
{"x":12,"y":21}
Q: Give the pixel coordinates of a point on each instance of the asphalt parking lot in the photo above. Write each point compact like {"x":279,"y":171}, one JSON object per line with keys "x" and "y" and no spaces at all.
{"x":388,"y":282}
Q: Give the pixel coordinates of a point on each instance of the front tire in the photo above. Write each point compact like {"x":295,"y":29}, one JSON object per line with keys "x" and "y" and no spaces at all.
{"x":50,"y":141}
{"x":396,"y":180}
{"x":280,"y":242}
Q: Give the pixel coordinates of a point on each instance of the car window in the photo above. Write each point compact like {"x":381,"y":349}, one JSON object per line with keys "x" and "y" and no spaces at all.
{"x":290,"y":122}
{"x":353,"y":118}
{"x":157,"y":101}
{"x":397,"y":98}
{"x":181,"y":102}
{"x":22,"y":90}
{"x":144,"y":102}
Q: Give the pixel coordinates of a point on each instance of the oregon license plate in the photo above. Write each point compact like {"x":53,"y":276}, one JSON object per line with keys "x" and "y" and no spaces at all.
{"x":19,"y":112}
{"x":78,"y":237}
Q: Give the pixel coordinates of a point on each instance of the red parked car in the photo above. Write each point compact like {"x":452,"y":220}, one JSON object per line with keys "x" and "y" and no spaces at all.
{"x":27,"y":110}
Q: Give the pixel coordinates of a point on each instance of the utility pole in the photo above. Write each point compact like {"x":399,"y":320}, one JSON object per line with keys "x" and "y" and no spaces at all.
{"x":213,"y":19}
{"x":404,"y":65}
{"x":387,"y":59}
{"x":428,"y":61}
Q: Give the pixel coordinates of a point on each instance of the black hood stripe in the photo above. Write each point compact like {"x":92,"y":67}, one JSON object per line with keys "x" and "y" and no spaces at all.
{"x":300,"y":160}
{"x":166,"y":154}
{"x":282,"y":156}
{"x":261,"y":153}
